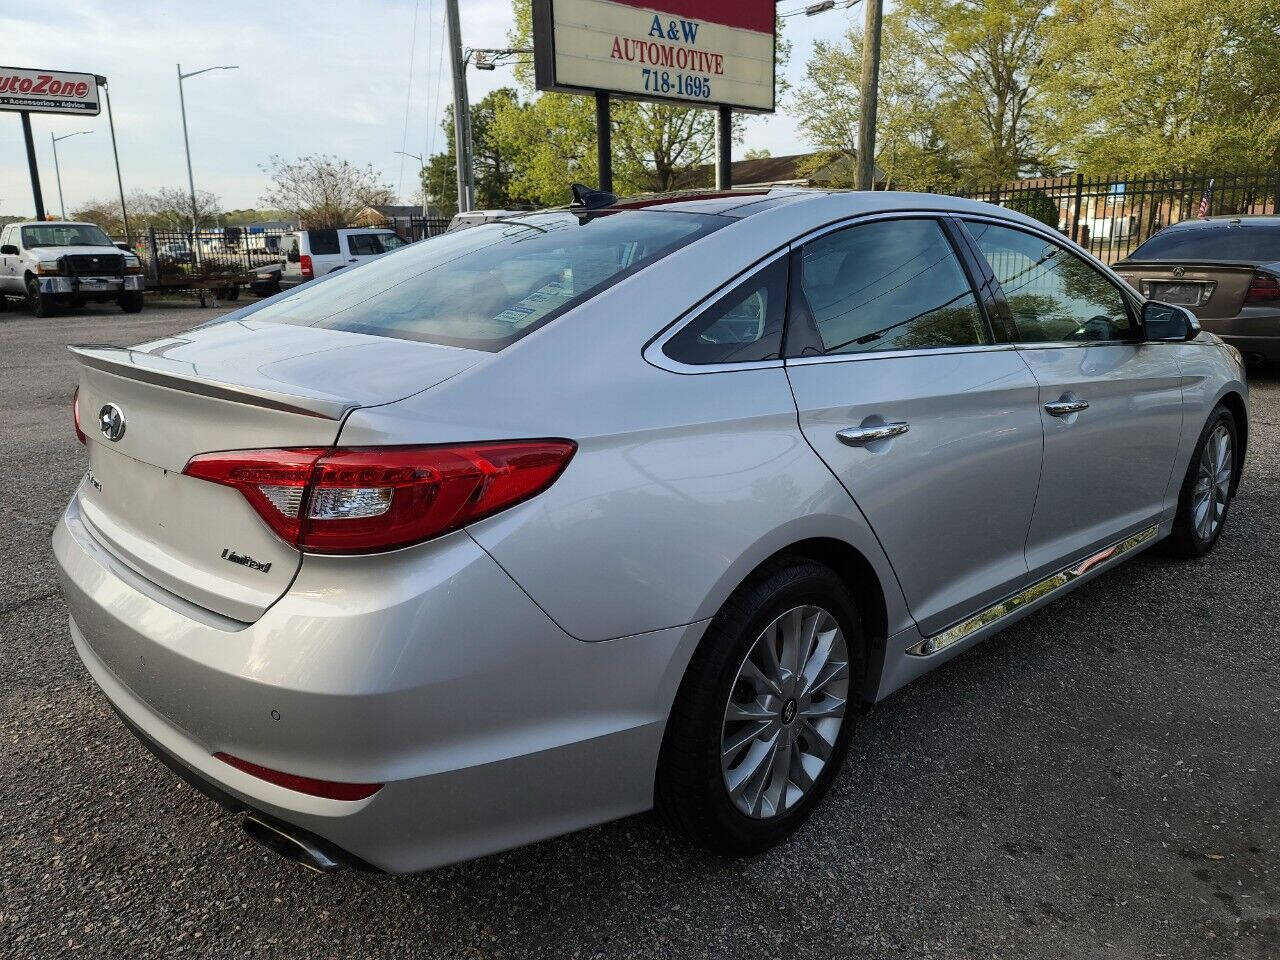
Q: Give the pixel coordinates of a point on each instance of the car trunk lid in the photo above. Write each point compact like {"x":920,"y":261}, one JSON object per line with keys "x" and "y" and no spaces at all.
{"x":229,"y":386}
{"x":1208,"y":288}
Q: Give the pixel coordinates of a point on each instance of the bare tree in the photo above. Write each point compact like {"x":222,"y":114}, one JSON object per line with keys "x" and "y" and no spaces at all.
{"x":323,"y":191}
{"x":169,"y":208}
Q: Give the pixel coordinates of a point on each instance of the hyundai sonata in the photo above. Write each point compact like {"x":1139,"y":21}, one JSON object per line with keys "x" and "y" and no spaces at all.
{"x":632,"y":504}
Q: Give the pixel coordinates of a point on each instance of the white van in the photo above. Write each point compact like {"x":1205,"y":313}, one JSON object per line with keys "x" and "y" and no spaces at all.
{"x":308,"y":254}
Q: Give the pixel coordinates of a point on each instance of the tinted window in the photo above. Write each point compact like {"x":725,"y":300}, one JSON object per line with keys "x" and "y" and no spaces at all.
{"x":743,"y":325}
{"x":1053,"y":294}
{"x":323,"y":241}
{"x":390,"y":241}
{"x":1252,"y":243}
{"x":363,"y":244}
{"x":490,"y":285}
{"x":889,"y":285}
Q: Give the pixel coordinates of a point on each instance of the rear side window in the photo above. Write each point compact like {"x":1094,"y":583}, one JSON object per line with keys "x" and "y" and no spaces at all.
{"x":490,"y":285}
{"x":1249,"y":243}
{"x":888,"y":285}
{"x":323,"y":242}
{"x":289,"y":247}
{"x":363,"y":244}
{"x":742,"y":326}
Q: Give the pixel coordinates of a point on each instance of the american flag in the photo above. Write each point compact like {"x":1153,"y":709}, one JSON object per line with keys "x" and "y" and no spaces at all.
{"x":1204,"y":200}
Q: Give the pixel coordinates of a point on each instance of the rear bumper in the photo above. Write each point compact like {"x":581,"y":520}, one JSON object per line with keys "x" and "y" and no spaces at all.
{"x":429,"y":671}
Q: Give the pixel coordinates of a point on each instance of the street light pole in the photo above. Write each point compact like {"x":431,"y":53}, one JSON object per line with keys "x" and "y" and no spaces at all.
{"x":191,"y":181}
{"x":422,"y":187}
{"x":111,"y":124}
{"x":57,"y":171}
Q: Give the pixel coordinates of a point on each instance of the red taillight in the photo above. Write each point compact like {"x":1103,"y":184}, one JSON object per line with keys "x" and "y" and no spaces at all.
{"x":75,"y":413}
{"x":317,"y":788}
{"x":366,"y":499}
{"x":1263,"y":288}
{"x":304,"y":263}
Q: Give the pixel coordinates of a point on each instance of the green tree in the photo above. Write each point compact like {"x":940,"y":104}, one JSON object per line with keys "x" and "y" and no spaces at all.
{"x":491,"y":162}
{"x":1153,"y":85}
{"x":958,"y":92}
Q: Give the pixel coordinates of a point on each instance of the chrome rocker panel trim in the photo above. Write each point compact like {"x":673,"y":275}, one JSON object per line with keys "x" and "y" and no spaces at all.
{"x":1038,"y":590}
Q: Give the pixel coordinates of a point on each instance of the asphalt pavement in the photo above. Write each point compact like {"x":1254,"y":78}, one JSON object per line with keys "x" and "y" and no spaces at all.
{"x":1102,"y":780}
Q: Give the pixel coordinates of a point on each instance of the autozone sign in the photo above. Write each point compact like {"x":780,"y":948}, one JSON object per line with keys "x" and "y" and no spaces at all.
{"x":48,"y":91}
{"x":693,"y":51}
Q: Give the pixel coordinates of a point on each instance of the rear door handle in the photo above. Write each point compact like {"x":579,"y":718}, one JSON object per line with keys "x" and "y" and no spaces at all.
{"x":1064,"y":408}
{"x":861,"y":436}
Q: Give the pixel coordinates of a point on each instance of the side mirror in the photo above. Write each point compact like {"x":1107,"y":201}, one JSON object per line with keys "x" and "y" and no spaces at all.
{"x":9,"y":250}
{"x":124,"y":246}
{"x":1164,"y":322}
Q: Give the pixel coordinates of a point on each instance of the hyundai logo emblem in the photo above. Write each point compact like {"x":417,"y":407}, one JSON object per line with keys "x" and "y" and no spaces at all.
{"x":111,"y":418}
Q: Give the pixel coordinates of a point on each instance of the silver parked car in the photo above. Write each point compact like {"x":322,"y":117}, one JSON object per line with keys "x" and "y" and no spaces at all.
{"x":554,"y":520}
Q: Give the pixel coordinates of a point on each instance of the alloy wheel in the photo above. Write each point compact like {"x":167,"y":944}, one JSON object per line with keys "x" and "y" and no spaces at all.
{"x":1213,"y":483}
{"x":785,"y":710}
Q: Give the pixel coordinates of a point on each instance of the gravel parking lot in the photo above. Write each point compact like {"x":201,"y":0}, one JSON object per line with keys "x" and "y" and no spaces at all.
{"x":1101,"y":780}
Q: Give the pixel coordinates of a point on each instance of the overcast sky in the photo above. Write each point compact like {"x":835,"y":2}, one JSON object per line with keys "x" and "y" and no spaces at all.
{"x":324,"y":76}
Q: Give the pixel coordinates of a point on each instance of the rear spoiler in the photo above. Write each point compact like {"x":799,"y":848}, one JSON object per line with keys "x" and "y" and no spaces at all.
{"x":148,"y":368}
{"x":1191,"y":264}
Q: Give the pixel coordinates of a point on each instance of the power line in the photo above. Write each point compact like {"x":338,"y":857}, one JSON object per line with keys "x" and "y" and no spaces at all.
{"x":408,"y":98}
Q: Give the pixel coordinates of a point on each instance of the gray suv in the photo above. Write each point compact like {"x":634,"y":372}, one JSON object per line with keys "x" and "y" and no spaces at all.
{"x":560,"y":518}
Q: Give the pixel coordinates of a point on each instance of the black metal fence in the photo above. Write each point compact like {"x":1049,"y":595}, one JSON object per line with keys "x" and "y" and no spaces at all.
{"x":412,"y":229}
{"x":1110,"y":216}
{"x":187,"y":258}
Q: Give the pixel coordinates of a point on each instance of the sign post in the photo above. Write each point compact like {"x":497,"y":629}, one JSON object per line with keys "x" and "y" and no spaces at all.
{"x":31,"y":164}
{"x":707,"y":53}
{"x":45,"y":91}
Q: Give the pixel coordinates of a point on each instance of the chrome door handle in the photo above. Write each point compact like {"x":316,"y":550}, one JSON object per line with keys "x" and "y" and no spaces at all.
{"x":1064,"y":408}
{"x":861,"y":436}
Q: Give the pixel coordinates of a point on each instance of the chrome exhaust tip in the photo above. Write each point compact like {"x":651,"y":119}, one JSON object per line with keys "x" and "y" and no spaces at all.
{"x":295,"y":846}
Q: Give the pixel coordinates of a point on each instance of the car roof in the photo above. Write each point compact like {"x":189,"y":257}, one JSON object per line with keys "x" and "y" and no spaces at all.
{"x":741,"y":203}
{"x":53,"y":223}
{"x":1239,"y":220}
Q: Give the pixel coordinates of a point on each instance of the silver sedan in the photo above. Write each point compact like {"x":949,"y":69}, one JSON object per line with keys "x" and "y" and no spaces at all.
{"x":633,"y":504}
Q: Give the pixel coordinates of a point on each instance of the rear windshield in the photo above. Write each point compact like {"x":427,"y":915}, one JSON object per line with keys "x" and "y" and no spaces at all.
{"x":323,"y":242}
{"x":1239,"y":243}
{"x":487,"y":287}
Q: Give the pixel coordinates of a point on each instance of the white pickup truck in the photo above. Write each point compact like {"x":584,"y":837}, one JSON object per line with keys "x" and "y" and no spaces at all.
{"x":56,"y":263}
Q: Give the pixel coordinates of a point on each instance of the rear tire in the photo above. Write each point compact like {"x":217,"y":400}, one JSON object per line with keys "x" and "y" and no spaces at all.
{"x":1207,"y":489}
{"x":701,"y":756}
{"x":131,"y":301}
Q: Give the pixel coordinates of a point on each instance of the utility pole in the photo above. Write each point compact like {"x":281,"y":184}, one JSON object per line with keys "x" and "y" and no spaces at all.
{"x":461,"y":109}
{"x":870,"y":94}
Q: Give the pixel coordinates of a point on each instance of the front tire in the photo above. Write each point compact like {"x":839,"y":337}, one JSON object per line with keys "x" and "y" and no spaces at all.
{"x":1206,"y":489}
{"x":764,"y":715}
{"x":131,"y":301}
{"x":40,"y":304}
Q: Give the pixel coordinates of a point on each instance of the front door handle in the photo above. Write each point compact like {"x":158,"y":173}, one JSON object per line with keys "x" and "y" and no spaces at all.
{"x":1064,"y":407}
{"x":861,"y":436}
